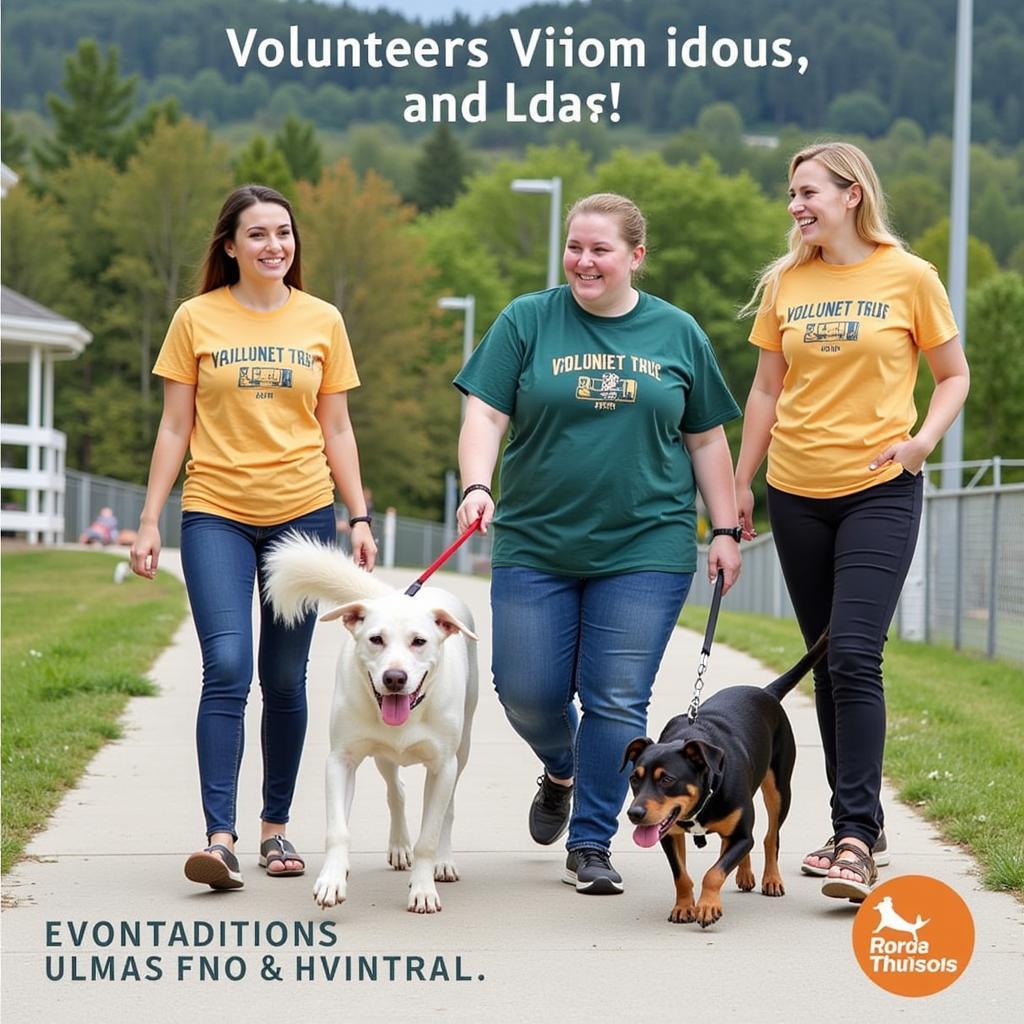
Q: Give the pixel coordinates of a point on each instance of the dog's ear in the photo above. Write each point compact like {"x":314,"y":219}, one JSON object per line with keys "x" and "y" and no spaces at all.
{"x":635,"y":749}
{"x":449,"y":625}
{"x":704,"y":755}
{"x":350,"y":614}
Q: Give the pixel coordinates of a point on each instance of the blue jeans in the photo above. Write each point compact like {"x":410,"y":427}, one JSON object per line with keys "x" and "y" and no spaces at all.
{"x":222,"y":559}
{"x":601,"y":639}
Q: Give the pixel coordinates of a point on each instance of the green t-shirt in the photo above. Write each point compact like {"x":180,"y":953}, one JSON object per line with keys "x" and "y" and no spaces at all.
{"x":595,"y":478}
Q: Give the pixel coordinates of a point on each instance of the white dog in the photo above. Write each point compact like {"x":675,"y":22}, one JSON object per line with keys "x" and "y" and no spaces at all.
{"x":405,"y":693}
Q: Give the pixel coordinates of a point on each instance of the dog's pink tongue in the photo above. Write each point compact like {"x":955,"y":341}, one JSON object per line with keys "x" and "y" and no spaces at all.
{"x":645,"y":835}
{"x":395,"y":708}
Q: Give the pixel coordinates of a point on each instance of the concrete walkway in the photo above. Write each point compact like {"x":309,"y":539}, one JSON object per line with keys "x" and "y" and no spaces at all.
{"x":531,"y":948}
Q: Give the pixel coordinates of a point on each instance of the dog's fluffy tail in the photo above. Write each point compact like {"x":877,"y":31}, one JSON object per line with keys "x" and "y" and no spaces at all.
{"x":781,"y":686}
{"x":302,"y":571}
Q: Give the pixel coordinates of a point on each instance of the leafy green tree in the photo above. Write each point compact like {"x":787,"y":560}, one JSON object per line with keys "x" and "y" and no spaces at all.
{"x":380,"y":148}
{"x":994,"y":416}
{"x":263,"y":164}
{"x":160,"y":216}
{"x":361,"y":254}
{"x":38,"y":271}
{"x":933,"y":246}
{"x":858,"y":113}
{"x":916,"y":202}
{"x":94,"y":116}
{"x":440,"y":171}
{"x":167,"y":110}
{"x":297,"y":143}
{"x":13,"y":144}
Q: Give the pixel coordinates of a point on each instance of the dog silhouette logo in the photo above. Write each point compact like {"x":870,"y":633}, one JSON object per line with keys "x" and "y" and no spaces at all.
{"x":889,"y":918}
{"x":913,"y":936}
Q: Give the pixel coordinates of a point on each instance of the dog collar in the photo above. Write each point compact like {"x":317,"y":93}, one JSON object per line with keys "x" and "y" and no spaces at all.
{"x":692,"y":826}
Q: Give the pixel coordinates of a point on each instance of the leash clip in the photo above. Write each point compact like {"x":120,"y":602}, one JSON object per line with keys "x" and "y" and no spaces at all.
{"x":691,"y":711}
{"x":705,"y":651}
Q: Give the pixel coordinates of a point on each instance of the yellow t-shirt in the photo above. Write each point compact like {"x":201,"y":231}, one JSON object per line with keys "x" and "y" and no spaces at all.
{"x":850,"y":336}
{"x":257,"y":450}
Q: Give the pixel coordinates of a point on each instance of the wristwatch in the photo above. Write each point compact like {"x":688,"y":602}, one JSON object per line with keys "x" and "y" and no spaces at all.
{"x":736,"y":532}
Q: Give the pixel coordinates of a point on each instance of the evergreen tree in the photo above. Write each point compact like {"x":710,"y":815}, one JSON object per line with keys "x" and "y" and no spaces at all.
{"x":296,"y":141}
{"x":262,"y":164}
{"x":440,"y":171}
{"x":12,"y":143}
{"x":93,"y":118}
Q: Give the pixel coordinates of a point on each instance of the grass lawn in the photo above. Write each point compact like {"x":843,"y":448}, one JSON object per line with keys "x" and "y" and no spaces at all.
{"x":955,"y":746}
{"x":76,"y":646}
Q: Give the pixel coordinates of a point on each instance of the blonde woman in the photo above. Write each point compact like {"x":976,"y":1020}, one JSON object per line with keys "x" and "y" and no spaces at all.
{"x":616,"y":405}
{"x":841,"y":319}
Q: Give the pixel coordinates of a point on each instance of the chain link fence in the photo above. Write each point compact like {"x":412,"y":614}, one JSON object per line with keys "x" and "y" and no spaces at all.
{"x":965,"y":587}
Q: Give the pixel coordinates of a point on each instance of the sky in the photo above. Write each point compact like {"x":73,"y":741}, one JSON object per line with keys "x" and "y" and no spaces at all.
{"x":432,"y":10}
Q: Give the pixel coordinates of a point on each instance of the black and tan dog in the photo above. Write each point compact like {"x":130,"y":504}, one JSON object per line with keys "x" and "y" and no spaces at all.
{"x":701,"y":778}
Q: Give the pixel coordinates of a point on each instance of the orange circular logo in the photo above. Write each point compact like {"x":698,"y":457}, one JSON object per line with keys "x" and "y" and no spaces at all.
{"x":913,"y":936}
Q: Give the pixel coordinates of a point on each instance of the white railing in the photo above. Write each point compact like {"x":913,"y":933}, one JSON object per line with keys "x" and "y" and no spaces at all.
{"x":33,"y":495}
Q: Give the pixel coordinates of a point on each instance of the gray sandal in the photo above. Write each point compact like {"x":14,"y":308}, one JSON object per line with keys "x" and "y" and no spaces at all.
{"x":278,"y":849}
{"x":216,"y":866}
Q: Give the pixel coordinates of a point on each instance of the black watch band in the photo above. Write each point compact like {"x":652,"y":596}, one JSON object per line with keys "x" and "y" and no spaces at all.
{"x":361,"y":519}
{"x":736,"y":532}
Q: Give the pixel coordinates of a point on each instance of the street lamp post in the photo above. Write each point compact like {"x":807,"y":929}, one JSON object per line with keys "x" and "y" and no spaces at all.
{"x":553,"y":187}
{"x":953,"y":442}
{"x":467,"y":304}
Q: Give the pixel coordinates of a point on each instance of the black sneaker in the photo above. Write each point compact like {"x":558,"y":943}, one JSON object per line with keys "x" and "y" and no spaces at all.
{"x":592,"y":873}
{"x":550,"y":811}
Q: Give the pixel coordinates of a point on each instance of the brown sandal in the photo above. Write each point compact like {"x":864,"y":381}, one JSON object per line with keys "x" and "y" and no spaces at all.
{"x":854,"y":889}
{"x":880,"y":851}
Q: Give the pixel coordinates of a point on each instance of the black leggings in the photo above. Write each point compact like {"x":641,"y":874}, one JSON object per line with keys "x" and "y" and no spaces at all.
{"x":845,"y":560}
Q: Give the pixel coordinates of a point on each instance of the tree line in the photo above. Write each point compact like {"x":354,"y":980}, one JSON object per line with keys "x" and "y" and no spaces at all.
{"x":124,"y":203}
{"x":868,"y":65}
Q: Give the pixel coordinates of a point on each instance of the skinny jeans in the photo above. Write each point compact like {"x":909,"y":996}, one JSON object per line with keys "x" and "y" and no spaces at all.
{"x":844,"y":561}
{"x":222,"y":559}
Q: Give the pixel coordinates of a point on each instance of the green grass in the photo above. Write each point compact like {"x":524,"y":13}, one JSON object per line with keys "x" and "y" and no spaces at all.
{"x":76,"y":646}
{"x":954,"y":749}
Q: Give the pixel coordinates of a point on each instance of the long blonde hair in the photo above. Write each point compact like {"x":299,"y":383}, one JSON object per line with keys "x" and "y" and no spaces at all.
{"x":846,"y":165}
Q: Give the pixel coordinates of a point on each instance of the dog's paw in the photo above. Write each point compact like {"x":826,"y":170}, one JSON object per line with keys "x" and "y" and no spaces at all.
{"x":330,"y":889}
{"x":745,"y":879}
{"x":707,"y":911}
{"x":682,"y":913}
{"x":771,"y":885}
{"x":446,"y":871}
{"x":400,"y":856}
{"x":423,"y":899}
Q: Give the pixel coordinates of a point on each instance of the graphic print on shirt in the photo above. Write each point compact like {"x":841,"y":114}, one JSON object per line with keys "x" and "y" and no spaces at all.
{"x":263,"y":378}
{"x":830,"y":323}
{"x":605,"y":385}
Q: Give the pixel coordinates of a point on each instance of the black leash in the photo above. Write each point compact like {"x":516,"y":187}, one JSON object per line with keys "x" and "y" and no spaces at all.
{"x":705,"y":651}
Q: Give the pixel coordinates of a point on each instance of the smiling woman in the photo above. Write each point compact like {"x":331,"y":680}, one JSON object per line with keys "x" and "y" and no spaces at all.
{"x":594,"y":544}
{"x":255,"y":379}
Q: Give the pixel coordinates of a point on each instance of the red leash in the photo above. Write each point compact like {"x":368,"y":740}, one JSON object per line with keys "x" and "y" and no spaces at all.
{"x":442,"y":558}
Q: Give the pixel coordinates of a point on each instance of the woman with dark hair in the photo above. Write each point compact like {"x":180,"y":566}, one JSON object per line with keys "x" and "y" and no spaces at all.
{"x":255,"y":379}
